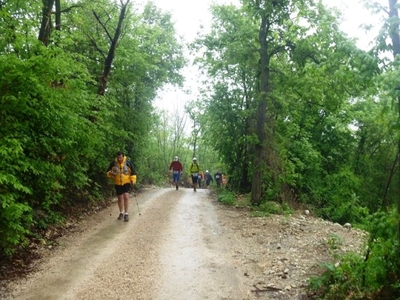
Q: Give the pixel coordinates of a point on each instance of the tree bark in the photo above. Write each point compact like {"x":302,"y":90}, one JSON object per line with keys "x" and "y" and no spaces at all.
{"x":58,"y":15}
{"x":45,"y":26}
{"x":259,"y":151}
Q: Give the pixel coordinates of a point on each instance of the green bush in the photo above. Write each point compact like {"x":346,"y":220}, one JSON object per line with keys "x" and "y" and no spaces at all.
{"x":47,"y":146}
{"x":15,"y":214}
{"x":341,"y":281}
{"x":271,"y":207}
{"x":373,"y":274}
{"x":227,"y":197}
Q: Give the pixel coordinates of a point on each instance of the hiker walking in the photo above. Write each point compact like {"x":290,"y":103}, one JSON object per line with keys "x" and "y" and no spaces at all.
{"x":176,"y":168}
{"x":218,"y":178}
{"x":194,"y":170}
{"x":200,"y":179}
{"x":208,"y":178}
{"x":122,"y":171}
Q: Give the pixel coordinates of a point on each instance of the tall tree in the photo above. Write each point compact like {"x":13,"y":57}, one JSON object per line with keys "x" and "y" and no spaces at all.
{"x":267,"y":13}
{"x":312,"y":71}
{"x":231,"y":61}
{"x":394,"y":27}
{"x":114,"y":39}
{"x":46,"y":25}
{"x":388,"y":40}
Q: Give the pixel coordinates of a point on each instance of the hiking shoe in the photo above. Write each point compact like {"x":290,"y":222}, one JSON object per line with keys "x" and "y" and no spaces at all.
{"x":176,"y":187}
{"x":126,"y":218}
{"x":121,"y":216}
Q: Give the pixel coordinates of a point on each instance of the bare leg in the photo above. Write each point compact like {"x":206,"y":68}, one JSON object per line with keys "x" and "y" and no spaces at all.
{"x":126,"y":202}
{"x":120,"y":203}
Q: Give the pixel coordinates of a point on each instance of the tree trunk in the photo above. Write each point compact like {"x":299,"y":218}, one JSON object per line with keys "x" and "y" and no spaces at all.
{"x":58,"y":15}
{"x":395,"y":37}
{"x":111,"y":52}
{"x":45,"y":26}
{"x":259,"y":151}
{"x":195,"y":137}
{"x":385,"y":202}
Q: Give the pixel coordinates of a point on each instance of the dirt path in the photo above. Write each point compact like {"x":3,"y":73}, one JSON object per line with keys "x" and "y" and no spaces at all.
{"x":186,"y":245}
{"x":174,"y":250}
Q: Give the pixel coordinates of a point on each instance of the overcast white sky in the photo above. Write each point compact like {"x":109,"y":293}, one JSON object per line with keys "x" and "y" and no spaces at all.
{"x":190,"y":15}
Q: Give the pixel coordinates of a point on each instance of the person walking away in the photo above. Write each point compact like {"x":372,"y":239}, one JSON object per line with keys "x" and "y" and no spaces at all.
{"x":218,"y":178}
{"x":200,"y":179}
{"x":122,"y":171}
{"x":194,"y":170}
{"x":176,"y":168}
{"x":208,"y":178}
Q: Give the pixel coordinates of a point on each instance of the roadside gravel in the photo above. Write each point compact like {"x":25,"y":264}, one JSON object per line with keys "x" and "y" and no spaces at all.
{"x":185,"y":245}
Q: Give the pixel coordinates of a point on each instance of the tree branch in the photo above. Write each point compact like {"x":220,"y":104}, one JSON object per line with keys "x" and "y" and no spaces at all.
{"x":102,"y":25}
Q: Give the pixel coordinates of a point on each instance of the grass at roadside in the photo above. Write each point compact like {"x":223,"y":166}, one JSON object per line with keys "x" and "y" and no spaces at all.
{"x":243,"y":201}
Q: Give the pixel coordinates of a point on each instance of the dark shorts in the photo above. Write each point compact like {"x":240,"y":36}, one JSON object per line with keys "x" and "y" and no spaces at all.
{"x":194,"y":178}
{"x":122,"y":189}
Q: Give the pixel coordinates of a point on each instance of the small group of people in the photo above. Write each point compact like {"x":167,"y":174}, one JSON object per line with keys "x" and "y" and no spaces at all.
{"x":204,"y":178}
{"x":123,"y":173}
{"x":176,"y":168}
{"x":197,"y":176}
{"x":208,"y":178}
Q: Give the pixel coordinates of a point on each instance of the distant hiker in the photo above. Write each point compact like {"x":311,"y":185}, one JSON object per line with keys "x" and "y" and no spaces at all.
{"x":176,"y":168}
{"x":200,"y":179}
{"x":122,"y":171}
{"x":224,"y":179}
{"x":194,"y":170}
{"x":218,"y":178}
{"x":208,"y":178}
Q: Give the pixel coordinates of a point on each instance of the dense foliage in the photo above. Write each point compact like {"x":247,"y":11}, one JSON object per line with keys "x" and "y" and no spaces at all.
{"x":77,"y":83}
{"x":329,"y":137}
{"x":292,"y":111}
{"x":317,"y":83}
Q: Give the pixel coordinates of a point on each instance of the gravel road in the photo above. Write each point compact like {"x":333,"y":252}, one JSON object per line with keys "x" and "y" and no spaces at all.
{"x":174,"y":250}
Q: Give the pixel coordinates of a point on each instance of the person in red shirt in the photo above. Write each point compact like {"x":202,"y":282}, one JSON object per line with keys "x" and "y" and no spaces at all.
{"x":176,"y":168}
